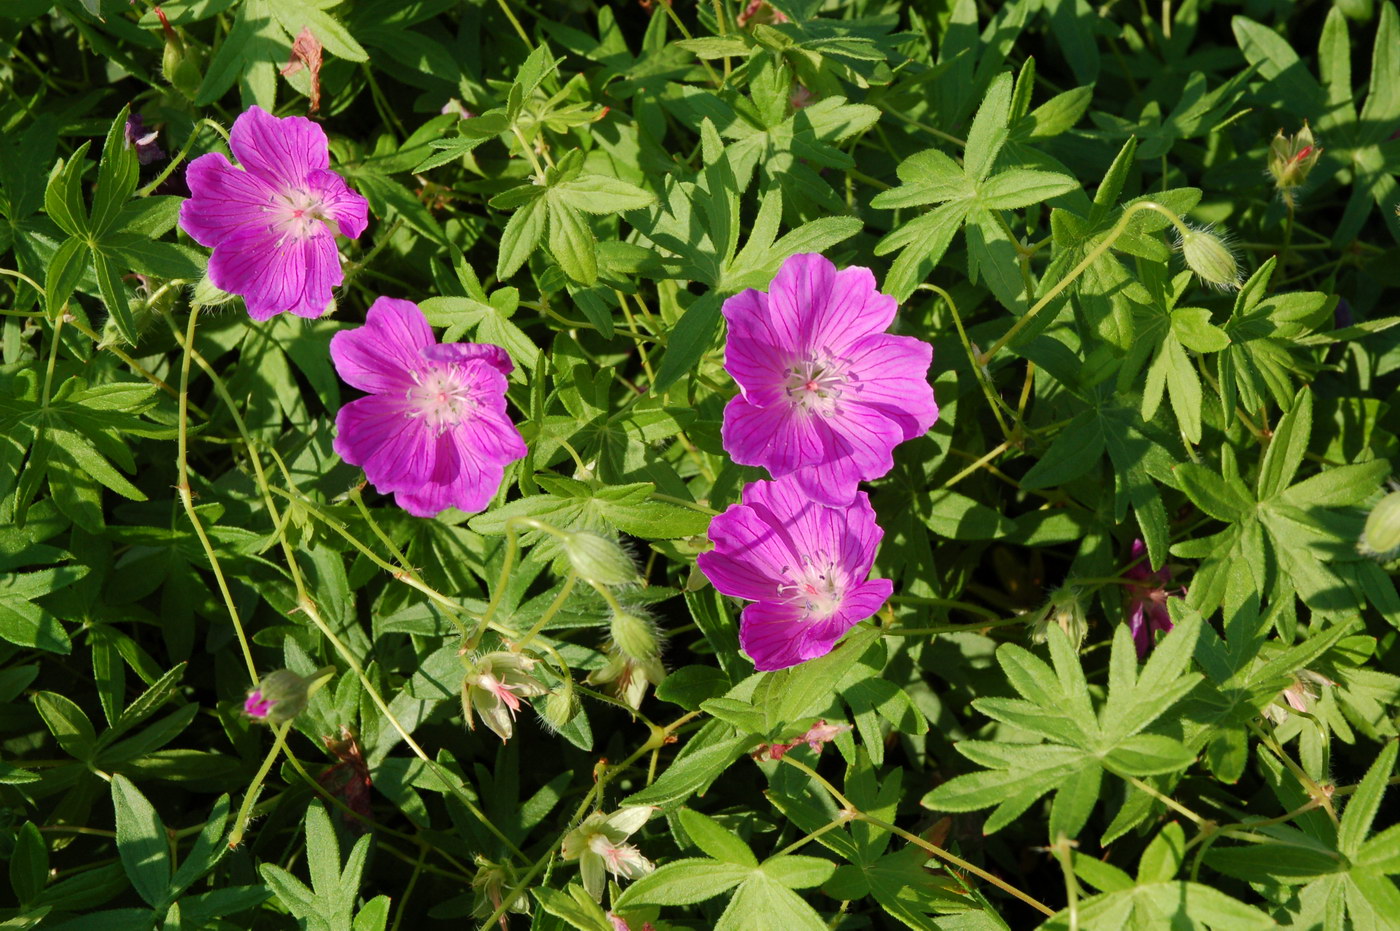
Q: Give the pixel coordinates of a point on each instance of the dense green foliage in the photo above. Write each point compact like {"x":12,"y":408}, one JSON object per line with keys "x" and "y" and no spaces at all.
{"x":1046,"y":187}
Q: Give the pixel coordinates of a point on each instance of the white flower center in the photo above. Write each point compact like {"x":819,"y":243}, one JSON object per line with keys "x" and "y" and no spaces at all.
{"x":296,"y":214}
{"x":818,"y":585}
{"x":440,"y":397}
{"x":814,"y":385}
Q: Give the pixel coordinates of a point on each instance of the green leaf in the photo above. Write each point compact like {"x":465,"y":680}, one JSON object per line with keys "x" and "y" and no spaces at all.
{"x":114,"y":295}
{"x":63,"y":199}
{"x":988,"y":132}
{"x":141,"y":842}
{"x":571,"y":242}
{"x":67,"y":722}
{"x":684,"y":882}
{"x":1211,"y":493}
{"x":690,"y":772}
{"x":714,"y":840}
{"x":796,"y":872}
{"x":521,"y":236}
{"x":1286,"y":448}
{"x":691,"y":338}
{"x":1022,"y":187}
{"x":29,"y":863}
{"x":601,"y":194}
{"x":66,"y":268}
{"x":1361,"y":810}
{"x":116,"y":176}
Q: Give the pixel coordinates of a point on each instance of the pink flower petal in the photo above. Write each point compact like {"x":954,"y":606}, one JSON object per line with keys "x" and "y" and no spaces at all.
{"x":494,"y":356}
{"x":397,"y":452}
{"x":349,"y":210}
{"x":278,"y":150}
{"x":382,"y":355}
{"x":830,"y":309}
{"x":224,"y":201}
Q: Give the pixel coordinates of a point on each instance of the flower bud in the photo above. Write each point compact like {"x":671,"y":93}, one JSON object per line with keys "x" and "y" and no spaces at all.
{"x":178,"y":63}
{"x":561,"y":706}
{"x":1381,"y":536}
{"x":634,"y":636}
{"x":597,"y":559}
{"x":279,"y":697}
{"x":1207,"y":255}
{"x":1290,"y":160}
{"x":1065,"y":609}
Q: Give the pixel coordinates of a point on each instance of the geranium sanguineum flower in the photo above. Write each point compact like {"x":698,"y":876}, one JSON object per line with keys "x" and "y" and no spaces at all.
{"x":272,"y":221}
{"x":433,"y":430}
{"x":802,"y":562}
{"x":1147,"y":600}
{"x":824,"y":392}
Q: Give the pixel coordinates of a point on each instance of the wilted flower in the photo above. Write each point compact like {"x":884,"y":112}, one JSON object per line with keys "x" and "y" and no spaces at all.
{"x":434,"y":429}
{"x":494,"y":685}
{"x":1299,"y":695}
{"x":598,"y":844}
{"x":457,"y":108}
{"x":489,"y":883}
{"x":1064,"y":609}
{"x":1207,"y":254}
{"x":147,"y":150}
{"x":816,"y":737}
{"x":272,"y":221}
{"x":825,"y":393}
{"x":760,"y":12}
{"x":1147,"y":600}
{"x":306,"y":53}
{"x":280,"y":696}
{"x":1290,"y":160}
{"x":1381,"y":536}
{"x":627,"y":677}
{"x":634,"y":658}
{"x":803,"y":562}
{"x":349,"y":778}
{"x":801,"y":97}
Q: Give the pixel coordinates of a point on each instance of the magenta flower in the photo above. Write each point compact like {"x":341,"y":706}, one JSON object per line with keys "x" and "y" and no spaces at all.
{"x":434,"y":429}
{"x":803,"y":562}
{"x":1147,"y":600}
{"x":272,"y":224}
{"x":825,"y":393}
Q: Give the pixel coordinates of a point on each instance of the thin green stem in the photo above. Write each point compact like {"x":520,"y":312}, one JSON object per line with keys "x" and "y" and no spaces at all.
{"x":979,"y":372}
{"x":240,"y":821}
{"x":180,"y":156}
{"x":1093,"y":256}
{"x":852,"y":813}
{"x":549,"y":612}
{"x":187,"y":498}
{"x":519,"y":29}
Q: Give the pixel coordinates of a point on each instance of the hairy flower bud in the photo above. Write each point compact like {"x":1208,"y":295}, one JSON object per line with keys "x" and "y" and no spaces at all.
{"x":1065,"y":609}
{"x":279,"y":697}
{"x":561,"y":706}
{"x":1381,"y":536}
{"x":634,"y":635}
{"x":1209,"y":257}
{"x":597,"y":559}
{"x":1290,"y":160}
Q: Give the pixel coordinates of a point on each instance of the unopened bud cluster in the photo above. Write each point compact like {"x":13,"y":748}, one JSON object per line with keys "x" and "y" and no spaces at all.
{"x":1290,"y":160}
